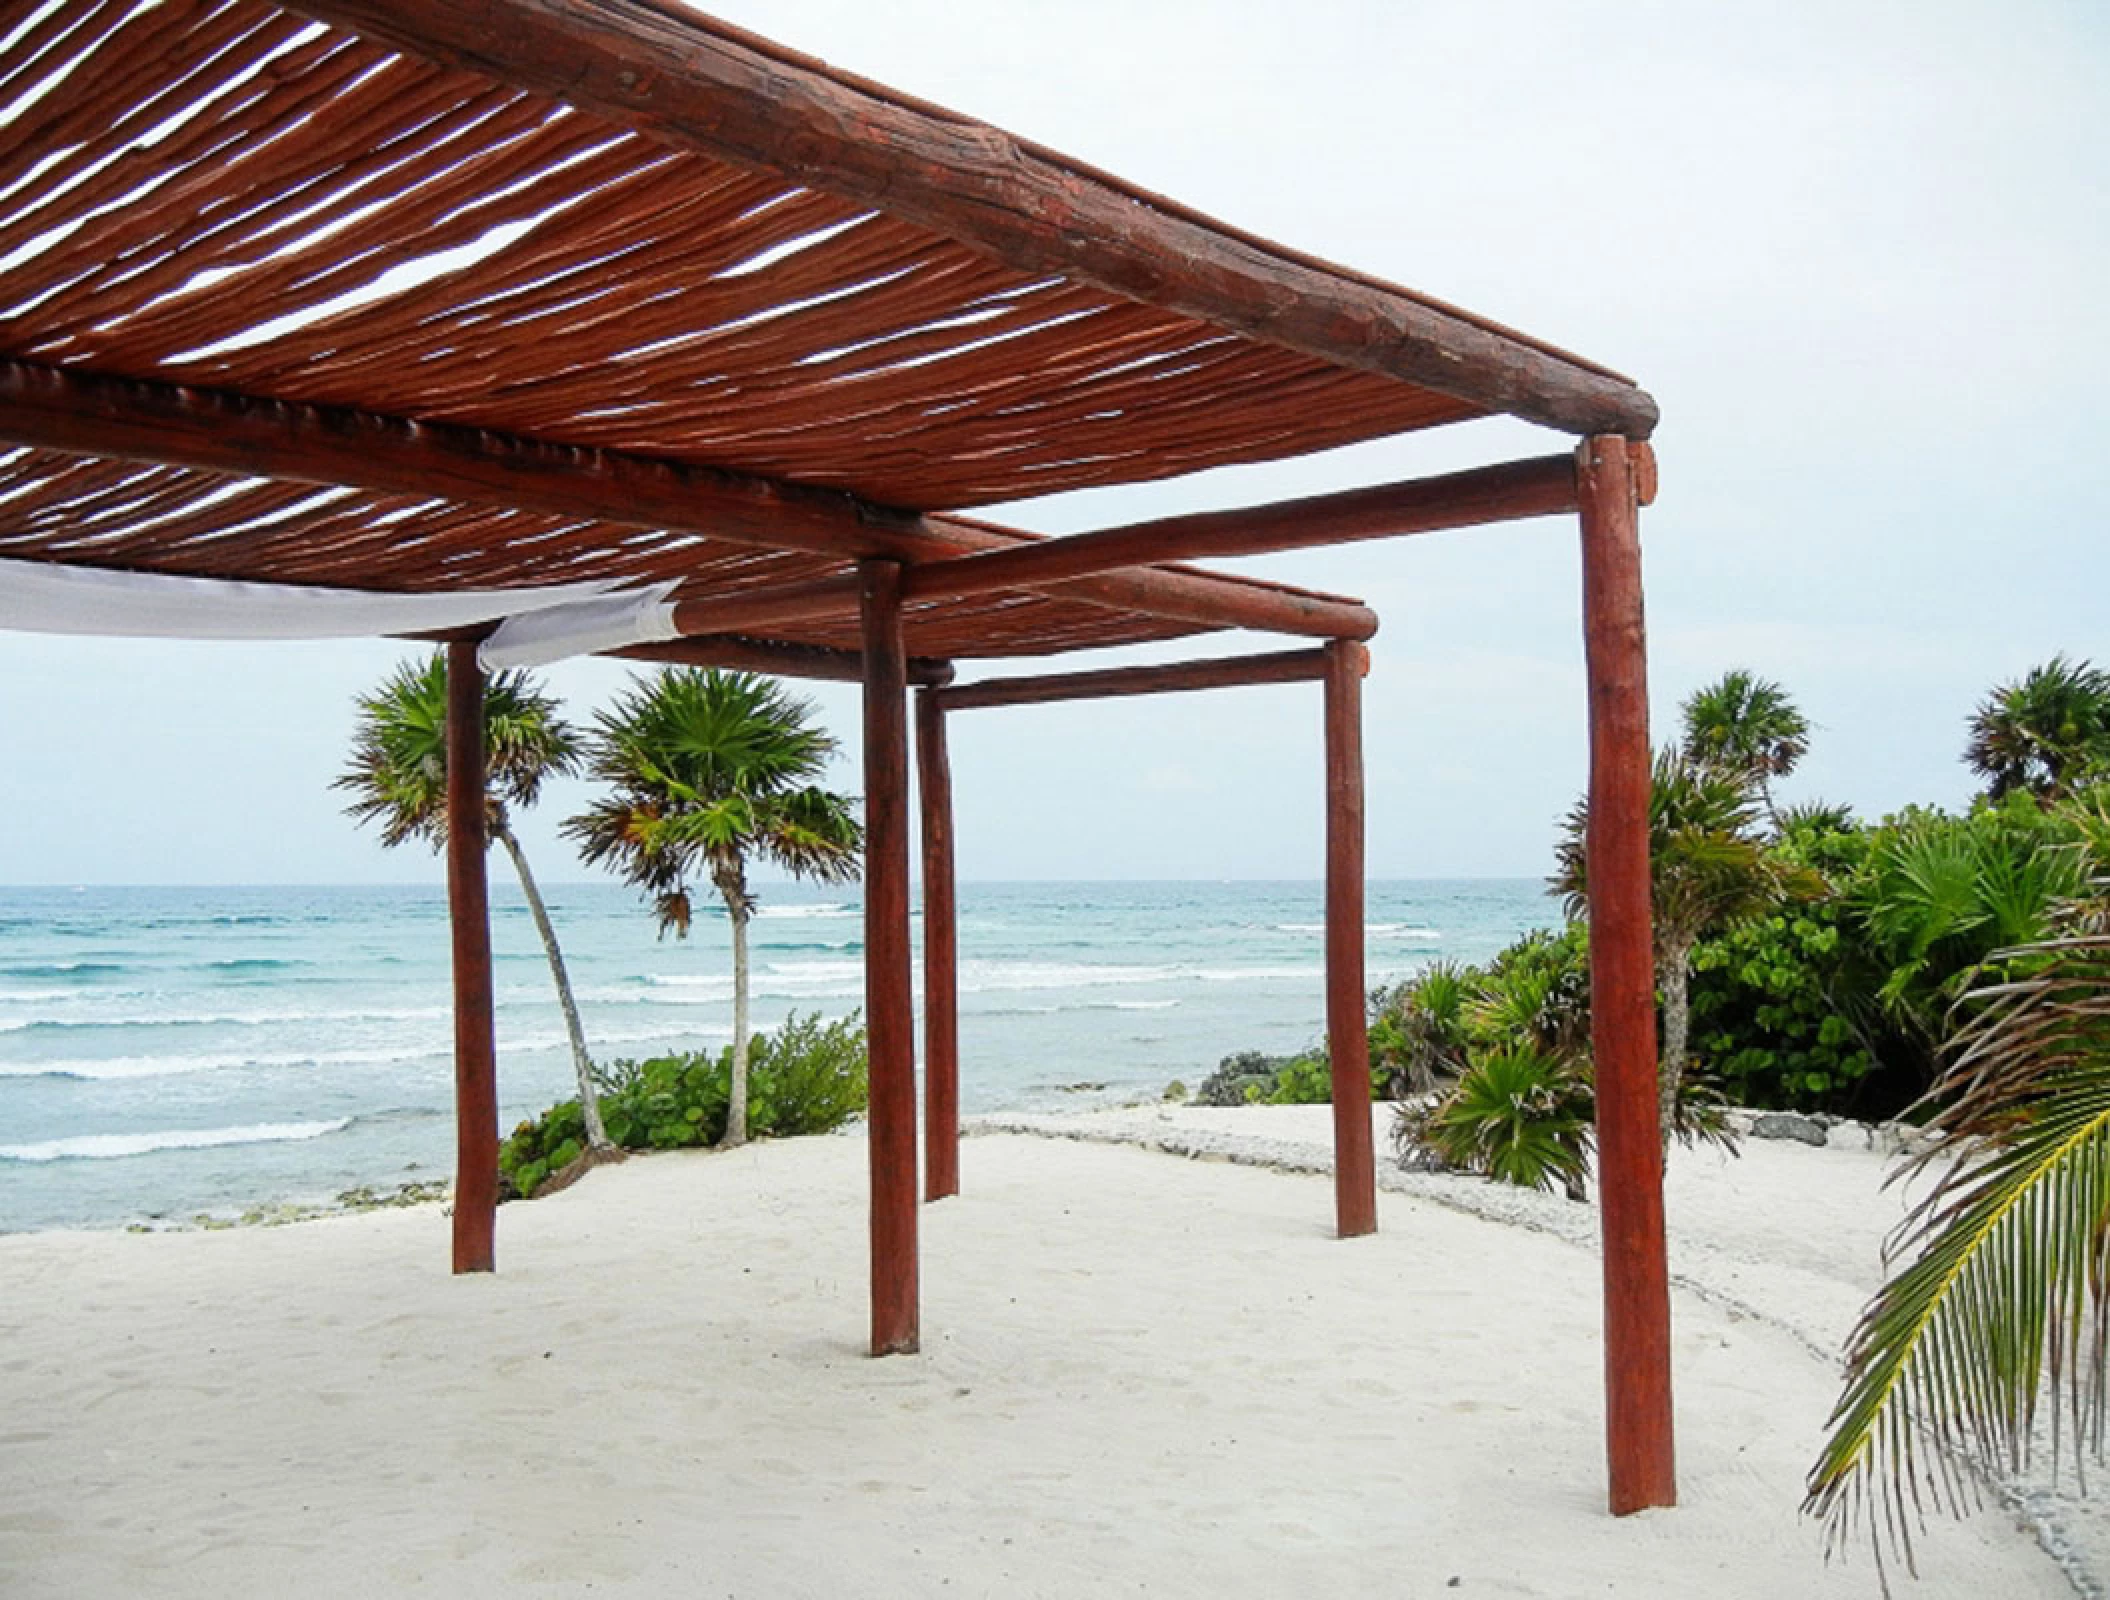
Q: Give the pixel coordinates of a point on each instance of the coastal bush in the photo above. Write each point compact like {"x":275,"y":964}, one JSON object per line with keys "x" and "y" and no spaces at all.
{"x":1519,"y":1115}
{"x":1252,"y":1078}
{"x":1303,"y":1080}
{"x":810,"y":1076}
{"x":1419,"y":1031}
{"x":1784,"y":1014}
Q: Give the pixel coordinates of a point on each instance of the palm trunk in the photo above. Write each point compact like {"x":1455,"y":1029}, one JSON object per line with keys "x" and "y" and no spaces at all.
{"x":738,"y":907}
{"x":1677,"y":1022}
{"x":582,"y":1064}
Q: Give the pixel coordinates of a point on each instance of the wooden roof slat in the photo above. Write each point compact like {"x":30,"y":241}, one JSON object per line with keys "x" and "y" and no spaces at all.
{"x":672,"y":74}
{"x":47,"y":409}
{"x":739,"y":320}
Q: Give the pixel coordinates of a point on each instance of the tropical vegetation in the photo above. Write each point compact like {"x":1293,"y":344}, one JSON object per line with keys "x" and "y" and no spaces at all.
{"x":1950,"y":968}
{"x":2001,"y":1305}
{"x":807,"y":1077}
{"x":706,"y":770}
{"x":2046,"y":734}
{"x":397,"y":776}
{"x":1822,"y":956}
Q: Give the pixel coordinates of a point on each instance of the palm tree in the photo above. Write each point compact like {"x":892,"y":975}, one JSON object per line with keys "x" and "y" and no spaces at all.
{"x":707,"y":768}
{"x":1748,"y":728}
{"x":2010,"y":1278}
{"x":398,"y":773}
{"x":2045,"y":733}
{"x":1707,"y":871}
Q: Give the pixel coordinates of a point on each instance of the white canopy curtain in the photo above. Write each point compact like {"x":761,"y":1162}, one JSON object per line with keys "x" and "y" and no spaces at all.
{"x":541,"y":624}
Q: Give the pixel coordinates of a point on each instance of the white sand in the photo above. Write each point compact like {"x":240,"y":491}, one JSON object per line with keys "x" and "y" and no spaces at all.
{"x":1141,"y":1375}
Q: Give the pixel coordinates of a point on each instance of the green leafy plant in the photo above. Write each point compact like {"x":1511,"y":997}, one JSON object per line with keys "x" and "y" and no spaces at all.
{"x":397,"y":777}
{"x":1519,"y":1115}
{"x":2044,"y":734}
{"x":1419,"y":1031}
{"x":1304,"y":1080}
{"x":1941,"y":894}
{"x":706,"y":769}
{"x":809,"y":1076}
{"x":2006,"y":1290}
{"x":1708,"y":871}
{"x":1747,"y":728}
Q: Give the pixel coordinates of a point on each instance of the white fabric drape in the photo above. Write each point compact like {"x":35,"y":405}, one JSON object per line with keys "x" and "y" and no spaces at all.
{"x":582,"y":627}
{"x":47,"y":597}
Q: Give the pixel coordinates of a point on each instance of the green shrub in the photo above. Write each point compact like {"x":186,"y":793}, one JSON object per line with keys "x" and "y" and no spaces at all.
{"x":1240,"y":1079}
{"x":1520,"y":1116}
{"x":1305,"y":1080}
{"x":808,"y":1077}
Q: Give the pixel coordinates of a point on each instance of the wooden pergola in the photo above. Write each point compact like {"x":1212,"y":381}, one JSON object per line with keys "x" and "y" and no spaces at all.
{"x":395,"y":296}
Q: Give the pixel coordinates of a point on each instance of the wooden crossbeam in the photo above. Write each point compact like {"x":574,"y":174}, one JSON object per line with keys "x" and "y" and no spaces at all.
{"x":778,"y":660}
{"x":1536,"y":488}
{"x":130,"y":419}
{"x":1285,"y":666}
{"x":733,"y":97}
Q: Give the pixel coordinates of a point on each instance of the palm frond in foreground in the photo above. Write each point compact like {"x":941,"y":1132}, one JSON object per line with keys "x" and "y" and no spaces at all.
{"x":2005,"y":1297}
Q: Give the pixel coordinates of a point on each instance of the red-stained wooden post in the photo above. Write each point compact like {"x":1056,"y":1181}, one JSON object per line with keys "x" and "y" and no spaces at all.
{"x":890,"y":1016}
{"x":1638,"y":1435}
{"x":468,"y":910}
{"x":941,"y":952}
{"x":1347,"y":1024}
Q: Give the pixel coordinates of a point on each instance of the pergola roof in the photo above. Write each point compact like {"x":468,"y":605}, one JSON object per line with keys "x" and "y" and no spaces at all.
{"x":542,"y":291}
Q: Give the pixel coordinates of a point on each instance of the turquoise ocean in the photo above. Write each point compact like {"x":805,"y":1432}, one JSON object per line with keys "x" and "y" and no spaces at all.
{"x":176,"y":1051}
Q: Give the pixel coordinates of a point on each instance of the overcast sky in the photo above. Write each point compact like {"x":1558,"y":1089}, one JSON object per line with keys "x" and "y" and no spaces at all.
{"x":1858,"y":253}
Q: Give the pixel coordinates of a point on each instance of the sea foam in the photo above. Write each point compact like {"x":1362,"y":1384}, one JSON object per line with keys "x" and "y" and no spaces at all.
{"x":115,"y":1146}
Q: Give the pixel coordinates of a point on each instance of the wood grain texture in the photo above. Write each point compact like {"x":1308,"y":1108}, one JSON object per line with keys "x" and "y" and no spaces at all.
{"x":1347,"y":1022}
{"x":777,"y":660}
{"x":889,"y":976}
{"x":941,"y":956}
{"x":1639,"y":1435}
{"x":694,"y":86}
{"x":1180,"y":677}
{"x":469,"y":916}
{"x":95,"y":416}
{"x":1513,"y":490}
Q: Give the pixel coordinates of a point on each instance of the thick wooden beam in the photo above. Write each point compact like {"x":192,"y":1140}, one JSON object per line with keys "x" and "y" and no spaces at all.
{"x":127,"y":419}
{"x":890,"y":1019}
{"x":759,"y":610}
{"x":941,"y":956}
{"x":778,"y":660}
{"x":1638,"y":1431}
{"x":1285,"y":666}
{"x":468,"y":910}
{"x":1537,"y":488}
{"x":1347,"y":1023}
{"x":692,"y":84}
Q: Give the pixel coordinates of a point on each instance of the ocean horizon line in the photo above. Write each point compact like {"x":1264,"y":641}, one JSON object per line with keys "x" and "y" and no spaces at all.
{"x":501,"y":882}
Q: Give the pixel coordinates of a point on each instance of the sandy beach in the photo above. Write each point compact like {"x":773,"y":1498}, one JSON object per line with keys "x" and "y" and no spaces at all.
{"x":1141,"y":1375}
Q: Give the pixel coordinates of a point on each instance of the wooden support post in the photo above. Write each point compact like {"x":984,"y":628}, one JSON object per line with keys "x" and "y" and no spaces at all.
{"x":468,"y":909}
{"x":941,"y":951}
{"x":890,"y":1018}
{"x":1638,"y":1436}
{"x":1347,"y":1024}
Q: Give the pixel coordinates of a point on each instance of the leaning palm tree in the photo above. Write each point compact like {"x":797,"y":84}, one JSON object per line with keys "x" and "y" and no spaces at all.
{"x":2008,"y":1290}
{"x":1747,"y":727}
{"x":706,"y":769}
{"x":1707,"y":871}
{"x":2047,"y":732}
{"x":398,"y":773}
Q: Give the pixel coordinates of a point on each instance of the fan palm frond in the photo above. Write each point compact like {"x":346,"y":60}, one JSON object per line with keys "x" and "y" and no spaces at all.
{"x":2010,"y":1273}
